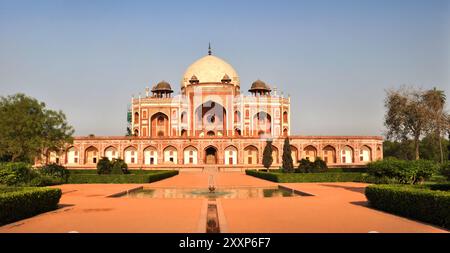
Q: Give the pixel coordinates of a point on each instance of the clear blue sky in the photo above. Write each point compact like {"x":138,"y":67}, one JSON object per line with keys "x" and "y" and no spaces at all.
{"x":335,"y":58}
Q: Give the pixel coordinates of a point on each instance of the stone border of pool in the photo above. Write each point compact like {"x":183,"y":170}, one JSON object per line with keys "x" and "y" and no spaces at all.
{"x":221,"y":217}
{"x":126,"y":192}
{"x":122,"y":193}
{"x":301,"y":193}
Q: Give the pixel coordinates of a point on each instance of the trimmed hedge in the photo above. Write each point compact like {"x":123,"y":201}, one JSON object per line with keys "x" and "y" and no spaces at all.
{"x":418,"y":203}
{"x":18,"y":203}
{"x":329,"y":170}
{"x":355,"y":170}
{"x":94,"y":172}
{"x":149,"y":177}
{"x":308,"y":177}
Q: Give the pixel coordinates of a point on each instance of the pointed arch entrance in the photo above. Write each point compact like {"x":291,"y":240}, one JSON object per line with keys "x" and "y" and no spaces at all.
{"x":211,"y":155}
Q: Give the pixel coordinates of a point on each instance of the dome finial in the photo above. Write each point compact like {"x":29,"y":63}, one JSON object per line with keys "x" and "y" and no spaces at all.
{"x":209,"y":48}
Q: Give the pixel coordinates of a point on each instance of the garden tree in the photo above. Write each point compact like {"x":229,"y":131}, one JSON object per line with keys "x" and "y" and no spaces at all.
{"x":267,"y":155}
{"x":435,"y":100}
{"x":407,"y":116}
{"x":448,"y":133}
{"x":288,"y":164}
{"x":28,"y":128}
{"x":430,"y":148}
{"x":399,"y":149}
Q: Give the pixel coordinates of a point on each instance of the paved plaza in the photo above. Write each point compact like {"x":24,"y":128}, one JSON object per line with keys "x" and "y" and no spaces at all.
{"x":335,"y":207}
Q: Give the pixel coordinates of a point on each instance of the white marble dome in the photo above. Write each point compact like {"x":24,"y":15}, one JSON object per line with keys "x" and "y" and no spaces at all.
{"x":210,"y":69}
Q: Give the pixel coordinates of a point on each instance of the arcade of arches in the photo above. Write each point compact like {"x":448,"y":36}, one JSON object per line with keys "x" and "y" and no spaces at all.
{"x":250,"y":155}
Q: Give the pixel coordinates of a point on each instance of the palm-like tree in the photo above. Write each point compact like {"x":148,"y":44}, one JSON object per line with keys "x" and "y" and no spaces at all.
{"x":435,"y":100}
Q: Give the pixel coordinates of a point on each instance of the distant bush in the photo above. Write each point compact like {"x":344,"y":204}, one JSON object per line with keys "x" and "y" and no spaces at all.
{"x":445,"y":170}
{"x":21,"y":174}
{"x":44,"y":180}
{"x":306,"y":166}
{"x":119,"y":166}
{"x":413,"y":202}
{"x":21,"y":203}
{"x":104,"y":166}
{"x":402,"y":171}
{"x":55,"y":170}
{"x":16,"y":173}
{"x":319,"y":165}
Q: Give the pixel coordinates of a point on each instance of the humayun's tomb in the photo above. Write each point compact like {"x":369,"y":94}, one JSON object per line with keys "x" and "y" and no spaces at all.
{"x":212,"y":123}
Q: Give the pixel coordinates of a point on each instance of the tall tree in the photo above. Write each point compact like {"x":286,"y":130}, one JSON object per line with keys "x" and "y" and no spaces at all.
{"x":435,"y":100}
{"x":267,"y":155}
{"x":28,"y":129}
{"x":406,"y":115}
{"x":288,"y":164}
{"x":448,"y":146}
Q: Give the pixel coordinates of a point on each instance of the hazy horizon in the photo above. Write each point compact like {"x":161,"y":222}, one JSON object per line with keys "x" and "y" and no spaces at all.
{"x":334,"y":58}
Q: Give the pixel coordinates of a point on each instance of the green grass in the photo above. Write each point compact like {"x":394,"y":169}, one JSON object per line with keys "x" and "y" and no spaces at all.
{"x":137,"y":177}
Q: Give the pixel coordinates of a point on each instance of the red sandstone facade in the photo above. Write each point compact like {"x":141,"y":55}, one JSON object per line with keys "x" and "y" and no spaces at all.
{"x":211,"y":123}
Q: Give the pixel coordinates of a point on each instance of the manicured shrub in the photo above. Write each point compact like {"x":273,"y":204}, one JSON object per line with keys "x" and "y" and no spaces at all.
{"x":56,"y":171}
{"x":402,"y":171}
{"x":119,"y":166}
{"x":308,"y":177}
{"x":413,"y":202}
{"x":150,"y":176}
{"x":104,"y":166}
{"x":21,"y":203}
{"x":16,"y":173}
